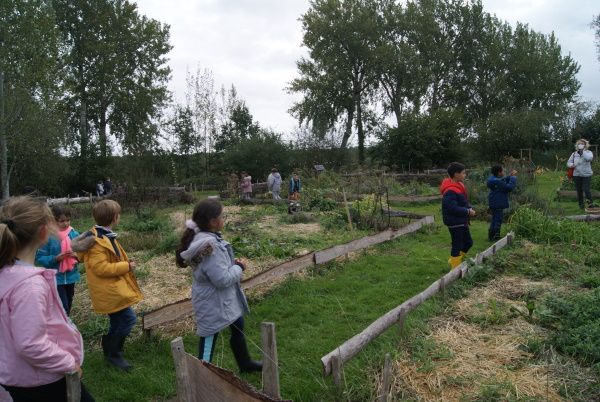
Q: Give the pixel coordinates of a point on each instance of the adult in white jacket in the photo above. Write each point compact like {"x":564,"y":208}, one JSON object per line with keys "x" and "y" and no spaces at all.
{"x":581,"y":161}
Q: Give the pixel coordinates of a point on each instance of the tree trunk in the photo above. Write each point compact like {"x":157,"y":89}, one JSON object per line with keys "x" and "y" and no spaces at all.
{"x":360,"y":131}
{"x":83,"y":141}
{"x":102,"y":133}
{"x":348,"y":131}
{"x":3,"y":147}
{"x":398,"y":114}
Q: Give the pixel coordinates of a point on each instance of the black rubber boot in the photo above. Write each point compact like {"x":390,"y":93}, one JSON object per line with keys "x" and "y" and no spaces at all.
{"x":490,"y":234}
{"x":242,"y":357}
{"x":115,"y":356}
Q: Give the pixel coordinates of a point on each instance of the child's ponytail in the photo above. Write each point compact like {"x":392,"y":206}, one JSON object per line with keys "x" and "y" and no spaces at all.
{"x":204,"y":211}
{"x":8,"y":243}
{"x":186,"y":240}
{"x":20,"y":221}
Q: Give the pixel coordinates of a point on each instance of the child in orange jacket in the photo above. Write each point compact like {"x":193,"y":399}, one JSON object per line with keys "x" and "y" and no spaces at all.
{"x":111,"y":280}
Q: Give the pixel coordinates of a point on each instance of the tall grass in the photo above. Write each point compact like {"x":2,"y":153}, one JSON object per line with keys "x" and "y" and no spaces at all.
{"x":537,"y":227}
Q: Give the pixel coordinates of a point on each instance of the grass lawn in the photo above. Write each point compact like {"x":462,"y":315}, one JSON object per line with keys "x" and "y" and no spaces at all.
{"x":313,"y":315}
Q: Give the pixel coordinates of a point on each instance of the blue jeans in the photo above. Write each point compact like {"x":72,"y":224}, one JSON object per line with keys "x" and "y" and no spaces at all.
{"x":461,"y":239}
{"x":497,"y":217}
{"x":122,"y":322}
{"x":66,"y":292}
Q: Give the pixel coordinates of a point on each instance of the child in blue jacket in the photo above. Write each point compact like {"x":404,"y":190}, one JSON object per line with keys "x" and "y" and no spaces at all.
{"x":456,"y":212}
{"x":57,"y":254}
{"x":499,"y":186}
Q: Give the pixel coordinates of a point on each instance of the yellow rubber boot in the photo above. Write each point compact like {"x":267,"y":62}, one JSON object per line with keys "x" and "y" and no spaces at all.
{"x":454,"y":261}
{"x":462,"y":254}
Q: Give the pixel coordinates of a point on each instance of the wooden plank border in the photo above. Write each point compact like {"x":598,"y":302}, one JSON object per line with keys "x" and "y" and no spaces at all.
{"x":354,"y":345}
{"x":183,"y":308}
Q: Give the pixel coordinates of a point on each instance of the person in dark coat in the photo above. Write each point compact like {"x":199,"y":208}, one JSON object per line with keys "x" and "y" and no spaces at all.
{"x":456,"y":212}
{"x":499,"y":186}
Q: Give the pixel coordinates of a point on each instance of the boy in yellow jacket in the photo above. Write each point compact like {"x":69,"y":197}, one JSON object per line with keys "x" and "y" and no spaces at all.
{"x":110,"y":278}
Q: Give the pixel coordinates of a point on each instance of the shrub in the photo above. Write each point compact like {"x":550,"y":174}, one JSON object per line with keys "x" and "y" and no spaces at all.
{"x":533,"y":225}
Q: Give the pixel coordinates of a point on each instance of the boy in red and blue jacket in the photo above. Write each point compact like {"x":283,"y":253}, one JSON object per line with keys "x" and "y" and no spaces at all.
{"x":456,"y":212}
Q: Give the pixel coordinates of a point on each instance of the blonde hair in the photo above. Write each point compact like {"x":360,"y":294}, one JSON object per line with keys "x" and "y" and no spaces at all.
{"x":582,"y":141}
{"x":105,"y":212}
{"x":20,"y":221}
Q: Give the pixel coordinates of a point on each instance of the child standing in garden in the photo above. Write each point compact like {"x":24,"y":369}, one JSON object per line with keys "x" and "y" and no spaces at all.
{"x":217,"y":296}
{"x":456,"y":212}
{"x":38,"y":342}
{"x":499,"y":186}
{"x":111,"y":281}
{"x":57,"y":254}
{"x":246,"y":186}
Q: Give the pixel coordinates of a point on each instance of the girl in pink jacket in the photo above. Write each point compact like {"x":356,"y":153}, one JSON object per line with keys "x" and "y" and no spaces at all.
{"x":38,"y":342}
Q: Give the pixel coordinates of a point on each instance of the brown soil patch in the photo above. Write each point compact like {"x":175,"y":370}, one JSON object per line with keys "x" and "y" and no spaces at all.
{"x":480,"y":354}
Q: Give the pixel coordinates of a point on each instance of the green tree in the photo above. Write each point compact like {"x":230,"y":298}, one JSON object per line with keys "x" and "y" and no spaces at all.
{"x":240,"y":127}
{"x":29,"y":52}
{"x":115,"y":73}
{"x":201,"y":99}
{"x":257,"y":155}
{"x":420,"y":142}
{"x":340,"y":36}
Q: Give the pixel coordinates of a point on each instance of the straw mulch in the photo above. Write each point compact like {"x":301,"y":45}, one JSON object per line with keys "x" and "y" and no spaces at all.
{"x":481,"y":358}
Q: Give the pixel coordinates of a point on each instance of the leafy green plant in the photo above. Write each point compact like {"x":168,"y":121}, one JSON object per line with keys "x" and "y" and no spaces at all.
{"x":576,"y":320}
{"x":533,"y":225}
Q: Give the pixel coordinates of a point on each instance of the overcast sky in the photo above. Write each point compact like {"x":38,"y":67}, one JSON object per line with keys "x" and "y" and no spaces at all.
{"x":254,"y":44}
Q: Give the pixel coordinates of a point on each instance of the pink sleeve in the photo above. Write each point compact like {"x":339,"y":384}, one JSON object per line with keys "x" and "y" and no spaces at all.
{"x":28,"y":321}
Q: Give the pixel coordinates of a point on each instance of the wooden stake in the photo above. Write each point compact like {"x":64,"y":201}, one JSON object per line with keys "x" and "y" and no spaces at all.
{"x":184,"y":392}
{"x":270,"y":371}
{"x":73,"y":387}
{"x":336,"y":369}
{"x":347,"y":211}
{"x":387,"y":372}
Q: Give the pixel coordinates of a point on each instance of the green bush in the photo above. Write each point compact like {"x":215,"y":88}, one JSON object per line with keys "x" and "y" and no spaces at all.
{"x":533,"y":225}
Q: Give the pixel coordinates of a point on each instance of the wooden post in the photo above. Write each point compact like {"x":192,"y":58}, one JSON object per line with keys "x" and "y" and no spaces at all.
{"x":184,"y":392}
{"x":270,"y":371}
{"x":336,"y":370}
{"x":387,"y":372}
{"x":347,"y":211}
{"x":73,"y":387}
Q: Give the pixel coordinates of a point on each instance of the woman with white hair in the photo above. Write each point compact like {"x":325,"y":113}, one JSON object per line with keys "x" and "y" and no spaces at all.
{"x":581,"y":161}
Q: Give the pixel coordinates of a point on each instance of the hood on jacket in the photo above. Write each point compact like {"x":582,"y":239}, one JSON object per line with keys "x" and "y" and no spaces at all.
{"x":456,"y":186}
{"x":200,"y":246}
{"x":83,"y":242}
{"x":12,"y":277}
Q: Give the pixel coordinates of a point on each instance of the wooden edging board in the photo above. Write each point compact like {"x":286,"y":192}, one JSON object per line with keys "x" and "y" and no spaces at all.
{"x":354,"y":345}
{"x":183,"y":308}
{"x":573,"y":194}
{"x":583,"y":218}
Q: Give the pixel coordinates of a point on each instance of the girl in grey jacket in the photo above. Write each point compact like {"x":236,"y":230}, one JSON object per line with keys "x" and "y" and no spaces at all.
{"x":581,"y":161}
{"x":217,"y":296}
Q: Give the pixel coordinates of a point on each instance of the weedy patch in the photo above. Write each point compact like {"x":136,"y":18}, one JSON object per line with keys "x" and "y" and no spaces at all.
{"x":482,"y":357}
